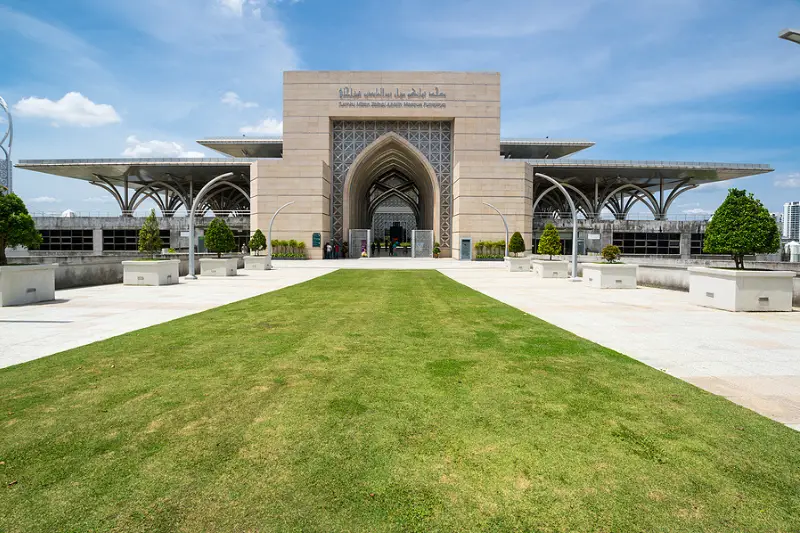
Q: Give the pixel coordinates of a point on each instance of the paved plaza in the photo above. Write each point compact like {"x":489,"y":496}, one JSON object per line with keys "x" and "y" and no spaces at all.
{"x":751,"y":358}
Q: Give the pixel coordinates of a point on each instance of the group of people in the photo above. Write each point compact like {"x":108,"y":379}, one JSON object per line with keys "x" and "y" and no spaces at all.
{"x":334,"y":251}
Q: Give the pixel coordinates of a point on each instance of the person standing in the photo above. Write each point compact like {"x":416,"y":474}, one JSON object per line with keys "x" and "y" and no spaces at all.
{"x":336,"y":251}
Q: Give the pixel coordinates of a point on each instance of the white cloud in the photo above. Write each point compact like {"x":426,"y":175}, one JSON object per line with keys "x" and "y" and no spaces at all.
{"x":137,"y":148}
{"x":235,"y":7}
{"x":45,"y":200}
{"x":232,"y":99}
{"x":268,"y":126}
{"x":792,"y":181}
{"x":73,"y":109}
{"x":697,"y":211}
{"x":98,"y":199}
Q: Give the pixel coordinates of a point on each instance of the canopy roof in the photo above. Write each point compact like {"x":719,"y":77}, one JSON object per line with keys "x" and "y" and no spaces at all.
{"x":647,"y":174}
{"x":141,"y":171}
{"x":509,"y":148}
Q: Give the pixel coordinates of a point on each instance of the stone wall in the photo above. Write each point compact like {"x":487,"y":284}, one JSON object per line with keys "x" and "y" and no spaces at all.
{"x":84,"y":271}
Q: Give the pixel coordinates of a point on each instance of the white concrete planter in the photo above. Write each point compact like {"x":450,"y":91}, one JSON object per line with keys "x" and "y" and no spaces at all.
{"x":225,"y":266}
{"x":741,"y":290}
{"x":518,"y":264}
{"x":610,"y":275}
{"x":152,"y":273}
{"x":549,"y":269}
{"x":257,"y":262}
{"x":27,"y":284}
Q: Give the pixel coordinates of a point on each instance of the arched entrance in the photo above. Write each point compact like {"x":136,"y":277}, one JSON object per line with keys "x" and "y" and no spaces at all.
{"x":392,"y":190}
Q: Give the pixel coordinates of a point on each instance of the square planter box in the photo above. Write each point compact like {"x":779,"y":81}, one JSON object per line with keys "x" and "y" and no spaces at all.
{"x":257,"y":262}
{"x":225,"y":266}
{"x":610,"y":276}
{"x":151,"y":273}
{"x":741,"y":290}
{"x":518,"y":264}
{"x":27,"y":284}
{"x":549,"y":269}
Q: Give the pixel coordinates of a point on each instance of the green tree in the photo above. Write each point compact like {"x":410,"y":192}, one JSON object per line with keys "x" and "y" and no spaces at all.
{"x":741,"y":226}
{"x":516,"y":244}
{"x":16,"y":226}
{"x":610,"y":253}
{"x":150,"y":235}
{"x":258,"y":242}
{"x":550,"y":242}
{"x":219,"y":237}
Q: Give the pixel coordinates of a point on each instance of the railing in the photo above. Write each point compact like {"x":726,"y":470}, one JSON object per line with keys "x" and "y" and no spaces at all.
{"x":608,"y":217}
{"x":137,"y":214}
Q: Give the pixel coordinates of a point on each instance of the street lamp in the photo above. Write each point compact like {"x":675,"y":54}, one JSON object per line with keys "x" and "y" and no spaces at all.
{"x":574,"y":223}
{"x":791,"y":35}
{"x":269,"y":235}
{"x":196,"y":201}
{"x":504,"y":223}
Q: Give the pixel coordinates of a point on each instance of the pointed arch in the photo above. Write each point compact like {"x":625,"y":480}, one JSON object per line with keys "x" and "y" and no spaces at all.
{"x":390,"y":152}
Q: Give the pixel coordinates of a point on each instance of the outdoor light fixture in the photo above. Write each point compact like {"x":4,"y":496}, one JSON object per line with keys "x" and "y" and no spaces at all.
{"x":791,"y":35}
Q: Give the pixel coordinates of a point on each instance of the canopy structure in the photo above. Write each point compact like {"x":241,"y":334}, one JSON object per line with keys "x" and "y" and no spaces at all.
{"x":170,"y":183}
{"x":596,"y":185}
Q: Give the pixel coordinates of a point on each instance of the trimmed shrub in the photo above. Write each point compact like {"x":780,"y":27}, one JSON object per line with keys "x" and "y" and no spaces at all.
{"x":150,"y":235}
{"x":610,"y":253}
{"x":516,"y":244}
{"x":258,"y":242}
{"x":550,"y":242}
{"x":16,"y":226}
{"x":741,"y":226}
{"x":219,"y":237}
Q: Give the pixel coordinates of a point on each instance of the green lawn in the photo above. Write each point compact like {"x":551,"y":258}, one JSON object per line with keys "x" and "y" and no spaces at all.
{"x":378,"y":401}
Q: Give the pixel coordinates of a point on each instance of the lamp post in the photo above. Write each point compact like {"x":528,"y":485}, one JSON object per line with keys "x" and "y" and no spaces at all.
{"x":196,"y":201}
{"x":269,"y":235}
{"x":791,"y":35}
{"x":504,"y":223}
{"x":574,"y":224}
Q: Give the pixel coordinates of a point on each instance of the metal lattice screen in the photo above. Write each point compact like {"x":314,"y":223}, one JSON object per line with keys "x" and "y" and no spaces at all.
{"x":433,"y":138}
{"x":422,"y":243}
{"x":360,"y":240}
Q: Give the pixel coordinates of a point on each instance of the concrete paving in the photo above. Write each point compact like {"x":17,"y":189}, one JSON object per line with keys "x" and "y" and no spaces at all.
{"x":85,"y":315}
{"x":752,"y":359}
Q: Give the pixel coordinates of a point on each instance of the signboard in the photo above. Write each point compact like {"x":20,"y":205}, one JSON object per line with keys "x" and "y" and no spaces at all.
{"x":316,"y":240}
{"x":392,"y":97}
{"x":594,"y":236}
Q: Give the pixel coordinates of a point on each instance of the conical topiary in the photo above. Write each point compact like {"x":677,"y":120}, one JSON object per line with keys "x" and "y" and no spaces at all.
{"x":550,"y":242}
{"x":219,"y":237}
{"x":516,"y":244}
{"x":150,"y":235}
{"x":257,"y":242}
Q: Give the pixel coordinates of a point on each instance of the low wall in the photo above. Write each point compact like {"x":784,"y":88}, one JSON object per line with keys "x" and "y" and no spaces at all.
{"x":101,"y":270}
{"x":674,"y":274}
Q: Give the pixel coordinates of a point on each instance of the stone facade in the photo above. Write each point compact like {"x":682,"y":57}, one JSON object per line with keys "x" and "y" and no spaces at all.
{"x":443,"y":128}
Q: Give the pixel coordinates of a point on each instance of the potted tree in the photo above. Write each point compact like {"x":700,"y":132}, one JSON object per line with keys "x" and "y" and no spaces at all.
{"x":741,"y":226}
{"x":150,"y":271}
{"x":219,"y":239}
{"x":550,"y":245}
{"x":516,"y":246}
{"x":611,"y":274}
{"x":21,"y":284}
{"x":436,"y":250}
{"x":256,"y":261}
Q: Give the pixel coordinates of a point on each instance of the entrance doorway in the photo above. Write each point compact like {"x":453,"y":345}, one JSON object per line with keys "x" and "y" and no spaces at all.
{"x":392,"y":190}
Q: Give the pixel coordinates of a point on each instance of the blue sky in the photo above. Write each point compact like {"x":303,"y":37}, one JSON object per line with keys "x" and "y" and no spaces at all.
{"x":686,"y":80}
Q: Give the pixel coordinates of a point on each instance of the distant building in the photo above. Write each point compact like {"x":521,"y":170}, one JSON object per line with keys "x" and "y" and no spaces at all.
{"x":791,"y":221}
